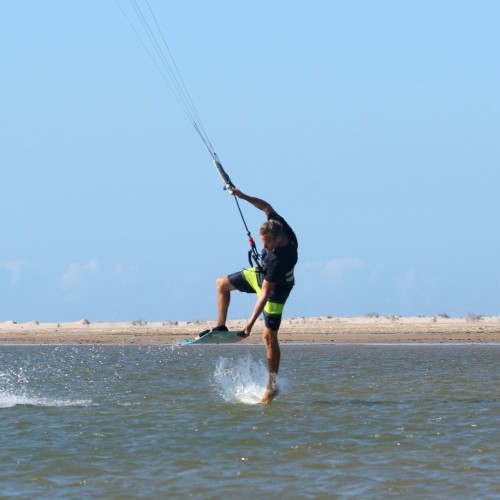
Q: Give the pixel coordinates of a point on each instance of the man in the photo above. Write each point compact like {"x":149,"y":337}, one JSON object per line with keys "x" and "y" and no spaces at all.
{"x":272,"y":284}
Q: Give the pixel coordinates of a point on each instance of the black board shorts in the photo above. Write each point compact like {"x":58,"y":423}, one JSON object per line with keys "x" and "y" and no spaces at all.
{"x":250,"y":281}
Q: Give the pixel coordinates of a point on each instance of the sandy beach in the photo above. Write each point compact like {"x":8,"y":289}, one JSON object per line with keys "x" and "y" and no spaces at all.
{"x":324,"y":329}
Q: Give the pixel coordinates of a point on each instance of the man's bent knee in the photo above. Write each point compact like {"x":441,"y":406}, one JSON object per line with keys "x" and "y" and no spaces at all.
{"x":224,"y":285}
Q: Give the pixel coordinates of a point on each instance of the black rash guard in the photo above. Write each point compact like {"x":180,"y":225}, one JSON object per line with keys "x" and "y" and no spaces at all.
{"x":277,"y":265}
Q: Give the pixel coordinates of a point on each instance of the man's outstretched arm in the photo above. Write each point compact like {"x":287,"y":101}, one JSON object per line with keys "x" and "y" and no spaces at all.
{"x":256,"y":202}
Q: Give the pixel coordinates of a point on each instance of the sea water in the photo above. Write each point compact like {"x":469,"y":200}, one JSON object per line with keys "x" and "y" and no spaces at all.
{"x":360,"y":421}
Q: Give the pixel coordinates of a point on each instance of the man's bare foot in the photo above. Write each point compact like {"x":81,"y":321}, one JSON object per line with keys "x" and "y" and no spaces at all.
{"x":269,"y":395}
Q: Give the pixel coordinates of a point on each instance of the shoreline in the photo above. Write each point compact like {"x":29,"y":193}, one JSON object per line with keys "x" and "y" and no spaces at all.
{"x":313,"y":330}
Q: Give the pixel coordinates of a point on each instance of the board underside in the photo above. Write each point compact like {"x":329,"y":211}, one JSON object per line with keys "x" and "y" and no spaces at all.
{"x":217,"y":338}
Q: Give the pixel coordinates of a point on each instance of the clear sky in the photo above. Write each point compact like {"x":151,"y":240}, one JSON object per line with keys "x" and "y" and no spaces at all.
{"x":372,"y":127}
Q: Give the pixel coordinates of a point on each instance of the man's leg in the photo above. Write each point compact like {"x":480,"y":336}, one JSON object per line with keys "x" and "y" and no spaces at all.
{"x":273,"y":363}
{"x":224,"y":288}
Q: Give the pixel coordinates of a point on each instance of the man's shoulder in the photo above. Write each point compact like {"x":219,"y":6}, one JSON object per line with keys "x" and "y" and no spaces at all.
{"x":288,"y":230}
{"x":273,"y":215}
{"x":276,"y":216}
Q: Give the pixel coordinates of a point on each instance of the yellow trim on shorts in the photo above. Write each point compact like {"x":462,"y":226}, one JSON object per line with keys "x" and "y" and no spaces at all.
{"x":252,"y":279}
{"x":274,"y":308}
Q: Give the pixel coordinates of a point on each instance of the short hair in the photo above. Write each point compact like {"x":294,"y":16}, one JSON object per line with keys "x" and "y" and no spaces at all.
{"x":272,"y":227}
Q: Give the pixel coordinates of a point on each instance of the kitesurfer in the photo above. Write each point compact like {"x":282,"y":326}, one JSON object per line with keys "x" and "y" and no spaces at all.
{"x":272,"y":280}
{"x":272,"y":283}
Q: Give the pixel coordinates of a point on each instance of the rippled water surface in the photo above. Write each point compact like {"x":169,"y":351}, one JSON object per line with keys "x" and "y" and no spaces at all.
{"x":184,"y":421}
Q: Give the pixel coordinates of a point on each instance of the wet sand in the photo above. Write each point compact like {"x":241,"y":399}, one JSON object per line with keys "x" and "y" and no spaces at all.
{"x":324,"y":329}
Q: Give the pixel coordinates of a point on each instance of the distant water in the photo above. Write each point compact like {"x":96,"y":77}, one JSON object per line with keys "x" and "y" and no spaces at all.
{"x":174,"y":422}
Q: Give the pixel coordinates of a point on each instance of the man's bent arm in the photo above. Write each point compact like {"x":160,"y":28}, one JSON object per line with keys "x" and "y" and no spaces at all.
{"x":256,"y":202}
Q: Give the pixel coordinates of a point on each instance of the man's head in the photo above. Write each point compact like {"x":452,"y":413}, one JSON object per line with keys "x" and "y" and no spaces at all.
{"x":271,"y":234}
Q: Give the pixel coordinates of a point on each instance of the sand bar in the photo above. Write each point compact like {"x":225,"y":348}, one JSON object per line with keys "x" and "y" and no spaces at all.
{"x":324,"y":329}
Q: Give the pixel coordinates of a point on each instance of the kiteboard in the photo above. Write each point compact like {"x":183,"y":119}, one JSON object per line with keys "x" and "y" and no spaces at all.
{"x":217,"y":338}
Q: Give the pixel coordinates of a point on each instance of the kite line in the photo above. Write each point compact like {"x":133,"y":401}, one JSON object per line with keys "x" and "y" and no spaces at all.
{"x":143,"y":21}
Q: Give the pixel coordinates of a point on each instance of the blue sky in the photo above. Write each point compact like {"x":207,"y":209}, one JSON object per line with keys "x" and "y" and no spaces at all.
{"x":372,"y":127}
